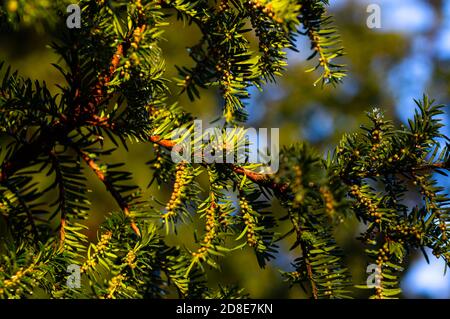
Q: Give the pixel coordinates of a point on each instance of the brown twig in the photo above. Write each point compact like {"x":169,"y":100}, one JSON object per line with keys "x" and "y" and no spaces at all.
{"x":162,"y":142}
{"x":62,"y":127}
{"x":432,"y":166}
{"x":103,"y":81}
{"x":303,"y":248}
{"x":109,"y":186}
{"x":260,"y":179}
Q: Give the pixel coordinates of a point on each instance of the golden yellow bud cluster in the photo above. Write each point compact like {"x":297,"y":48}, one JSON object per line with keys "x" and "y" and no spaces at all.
{"x":178,"y":190}
{"x":328,"y":199}
{"x":99,"y":249}
{"x":366,"y":202}
{"x":114,"y":284}
{"x":210,"y":232}
{"x":250,"y":222}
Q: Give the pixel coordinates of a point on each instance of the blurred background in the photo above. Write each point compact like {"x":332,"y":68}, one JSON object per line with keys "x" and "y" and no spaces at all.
{"x":387,"y":68}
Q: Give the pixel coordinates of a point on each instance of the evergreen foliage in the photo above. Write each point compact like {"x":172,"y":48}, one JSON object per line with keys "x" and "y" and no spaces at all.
{"x":115,"y":92}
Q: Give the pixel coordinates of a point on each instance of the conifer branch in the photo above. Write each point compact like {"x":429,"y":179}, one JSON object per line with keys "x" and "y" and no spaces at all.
{"x":258,"y":178}
{"x":109,"y":186}
{"x":115,"y":92}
